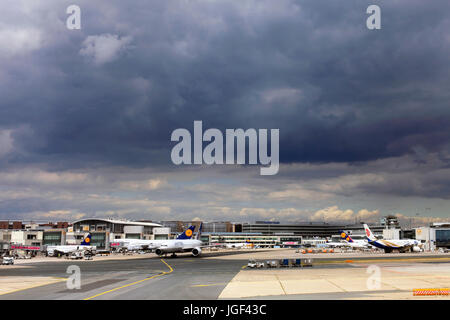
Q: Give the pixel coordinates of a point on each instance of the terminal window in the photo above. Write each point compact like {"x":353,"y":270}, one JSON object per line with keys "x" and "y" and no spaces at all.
{"x":443,"y":238}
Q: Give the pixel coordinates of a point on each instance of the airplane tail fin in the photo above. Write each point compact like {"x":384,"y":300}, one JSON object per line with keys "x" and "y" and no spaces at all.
{"x":86,"y":240}
{"x":199,"y":232}
{"x":187,"y":234}
{"x":346,"y":237}
{"x":369,"y":233}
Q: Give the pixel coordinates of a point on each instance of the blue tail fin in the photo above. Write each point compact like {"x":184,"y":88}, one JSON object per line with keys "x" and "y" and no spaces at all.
{"x":187,"y":234}
{"x":346,"y":237}
{"x":86,"y":240}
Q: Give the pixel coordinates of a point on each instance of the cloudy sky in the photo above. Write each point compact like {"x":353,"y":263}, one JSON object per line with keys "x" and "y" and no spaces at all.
{"x":86,"y":115}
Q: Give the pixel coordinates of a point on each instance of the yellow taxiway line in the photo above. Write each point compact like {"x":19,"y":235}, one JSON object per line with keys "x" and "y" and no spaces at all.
{"x":209,"y":285}
{"x":136,"y":282}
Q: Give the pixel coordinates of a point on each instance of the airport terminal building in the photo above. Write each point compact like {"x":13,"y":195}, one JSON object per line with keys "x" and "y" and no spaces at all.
{"x":104,"y":231}
{"x":309,"y":229}
{"x":435,"y":236}
{"x":255,"y":238}
{"x":34,"y":237}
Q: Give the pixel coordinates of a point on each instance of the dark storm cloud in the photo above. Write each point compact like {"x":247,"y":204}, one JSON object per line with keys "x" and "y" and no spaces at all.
{"x":337,"y":91}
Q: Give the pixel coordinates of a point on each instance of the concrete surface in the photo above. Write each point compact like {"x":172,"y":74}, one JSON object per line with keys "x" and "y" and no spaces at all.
{"x":14,"y":284}
{"x":396,"y":281}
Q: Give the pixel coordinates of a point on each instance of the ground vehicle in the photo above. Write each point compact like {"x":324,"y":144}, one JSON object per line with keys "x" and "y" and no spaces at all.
{"x":251,"y":263}
{"x":272,"y":264}
{"x":260,"y":264}
{"x":8,"y":260}
{"x":76,"y":255}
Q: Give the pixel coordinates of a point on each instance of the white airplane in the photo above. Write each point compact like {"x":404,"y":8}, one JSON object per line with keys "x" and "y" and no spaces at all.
{"x":348,"y":242}
{"x":388,"y":246}
{"x":358,"y":244}
{"x":138,"y":244}
{"x":239,"y":245}
{"x":340,"y":244}
{"x":182,"y":245}
{"x":85,"y":245}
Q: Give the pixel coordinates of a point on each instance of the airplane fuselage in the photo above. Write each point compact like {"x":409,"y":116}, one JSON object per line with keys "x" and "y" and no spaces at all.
{"x":67,"y":249}
{"x":180,"y":245}
{"x":390,"y":245}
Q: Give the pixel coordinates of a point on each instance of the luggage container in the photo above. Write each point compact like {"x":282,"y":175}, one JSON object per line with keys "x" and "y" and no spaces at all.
{"x":284,"y":263}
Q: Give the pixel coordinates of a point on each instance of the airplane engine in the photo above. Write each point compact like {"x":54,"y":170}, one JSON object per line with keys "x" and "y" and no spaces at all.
{"x":159,"y":252}
{"x":416,"y":249}
{"x":196,"y":252}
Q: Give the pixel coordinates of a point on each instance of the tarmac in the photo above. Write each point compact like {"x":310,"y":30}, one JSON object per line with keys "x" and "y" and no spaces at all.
{"x":224,"y":275}
{"x":146,"y":277}
{"x":352,"y":281}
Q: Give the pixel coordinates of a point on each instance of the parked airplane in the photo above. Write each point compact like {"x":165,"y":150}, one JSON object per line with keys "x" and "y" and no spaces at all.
{"x":388,"y":246}
{"x":182,"y":245}
{"x":347,"y":242}
{"x":138,"y":244}
{"x":359,"y":244}
{"x":240,"y":245}
{"x":85,"y":245}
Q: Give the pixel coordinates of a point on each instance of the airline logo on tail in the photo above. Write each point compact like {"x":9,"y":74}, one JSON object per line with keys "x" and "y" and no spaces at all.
{"x":346,"y":237}
{"x":187,"y":234}
{"x":86,"y":240}
{"x":369,"y":233}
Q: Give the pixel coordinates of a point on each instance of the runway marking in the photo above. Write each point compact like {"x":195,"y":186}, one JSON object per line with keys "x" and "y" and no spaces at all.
{"x":336,"y":285}
{"x":133,"y":283}
{"x":281,"y":285}
{"x":431,"y":292}
{"x":208,"y":285}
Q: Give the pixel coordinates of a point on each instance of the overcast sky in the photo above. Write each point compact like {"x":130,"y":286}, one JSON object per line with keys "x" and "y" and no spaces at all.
{"x":86,"y":115}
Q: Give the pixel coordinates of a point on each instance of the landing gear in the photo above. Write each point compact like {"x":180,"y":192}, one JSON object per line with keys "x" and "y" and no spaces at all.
{"x":173,"y":255}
